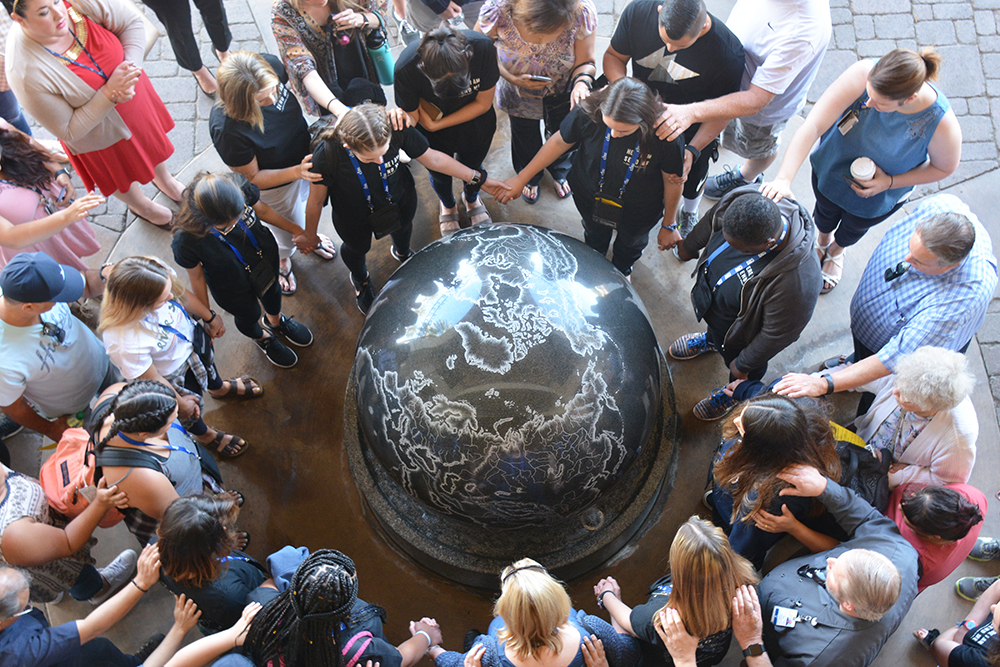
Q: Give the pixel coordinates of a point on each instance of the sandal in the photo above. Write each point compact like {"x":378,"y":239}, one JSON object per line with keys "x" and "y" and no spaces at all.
{"x":249,"y":388}
{"x":326,"y":249}
{"x":532,"y":197}
{"x":478,"y":209}
{"x":237,"y":496}
{"x":820,"y":251}
{"x":235,"y":448}
{"x":562,"y":189}
{"x":928,"y":638}
{"x":449,"y":223}
{"x":290,"y":283}
{"x":242,"y":540}
{"x":830,"y":280}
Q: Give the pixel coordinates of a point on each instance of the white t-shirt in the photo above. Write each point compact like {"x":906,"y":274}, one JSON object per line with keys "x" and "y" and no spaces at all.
{"x":784,"y":42}
{"x":59,"y":377}
{"x":137,"y":346}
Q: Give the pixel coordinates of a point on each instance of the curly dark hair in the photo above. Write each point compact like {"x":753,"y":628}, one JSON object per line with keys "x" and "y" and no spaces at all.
{"x":21,"y":162}
{"x":142,"y":406}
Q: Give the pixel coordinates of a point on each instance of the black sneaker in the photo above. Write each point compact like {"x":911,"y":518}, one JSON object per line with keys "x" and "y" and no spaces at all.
{"x":364,"y":292}
{"x":398,"y":256}
{"x":277,"y":352}
{"x":147,"y":649}
{"x":8,"y":426}
{"x":294,"y":332}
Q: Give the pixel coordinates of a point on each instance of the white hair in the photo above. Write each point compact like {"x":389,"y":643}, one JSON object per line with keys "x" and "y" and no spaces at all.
{"x":934,"y":378}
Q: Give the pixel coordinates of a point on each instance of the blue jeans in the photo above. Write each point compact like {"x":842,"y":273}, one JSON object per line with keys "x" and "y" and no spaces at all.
{"x":88,"y":584}
{"x":10,"y":111}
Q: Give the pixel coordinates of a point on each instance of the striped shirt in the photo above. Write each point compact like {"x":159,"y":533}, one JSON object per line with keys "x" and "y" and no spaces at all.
{"x":915,"y":309}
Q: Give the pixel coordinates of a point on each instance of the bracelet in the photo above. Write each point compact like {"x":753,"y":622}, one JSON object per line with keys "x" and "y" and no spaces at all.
{"x":891,"y":181}
{"x":100,"y":271}
{"x":429,"y":642}
{"x":669,"y":228}
{"x":589,"y":62}
{"x":829,"y":384}
{"x":580,"y":77}
{"x":600,"y":598}
{"x":61,"y":172}
{"x":144,"y":590}
{"x":212,"y":318}
{"x":694,"y":151}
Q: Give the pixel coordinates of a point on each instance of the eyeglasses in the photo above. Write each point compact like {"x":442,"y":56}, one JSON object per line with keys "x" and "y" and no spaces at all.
{"x":54,"y":331}
{"x":26,"y":610}
{"x":817,"y":574}
{"x":893,"y":273}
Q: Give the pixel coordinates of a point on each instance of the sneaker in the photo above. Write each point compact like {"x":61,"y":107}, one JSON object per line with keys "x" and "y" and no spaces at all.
{"x":364,"y":293}
{"x":717,"y":186}
{"x":715,"y":406}
{"x":690,"y":346}
{"x":985,"y":548}
{"x":685,"y":222}
{"x":407,"y":32}
{"x":398,"y":256}
{"x":970,"y":588}
{"x":8,"y":427}
{"x":706,"y":500}
{"x":146,"y":650}
{"x":277,"y":352}
{"x":117,"y":573}
{"x":294,"y":332}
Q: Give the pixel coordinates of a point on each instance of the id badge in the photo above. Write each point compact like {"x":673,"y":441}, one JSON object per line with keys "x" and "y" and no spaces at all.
{"x":262,"y":276}
{"x":385,"y":221}
{"x":607,"y":211}
{"x":783,"y":617}
{"x":701,"y":296}
{"x":848,"y":122}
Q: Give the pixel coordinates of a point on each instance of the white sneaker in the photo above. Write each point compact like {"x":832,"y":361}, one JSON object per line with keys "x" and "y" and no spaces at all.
{"x":117,"y":573}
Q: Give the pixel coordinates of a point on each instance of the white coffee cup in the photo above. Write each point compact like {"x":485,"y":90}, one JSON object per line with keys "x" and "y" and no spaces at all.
{"x":863,"y":169}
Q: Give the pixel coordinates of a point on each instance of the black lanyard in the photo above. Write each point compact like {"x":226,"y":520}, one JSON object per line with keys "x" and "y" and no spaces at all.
{"x":99,"y":71}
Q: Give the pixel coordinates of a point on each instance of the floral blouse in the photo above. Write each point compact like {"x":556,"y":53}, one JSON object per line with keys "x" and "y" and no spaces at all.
{"x":305,"y":46}
{"x":555,"y":59}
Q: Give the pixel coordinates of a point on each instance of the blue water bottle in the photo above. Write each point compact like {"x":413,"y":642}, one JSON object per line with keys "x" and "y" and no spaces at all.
{"x":377,"y":42}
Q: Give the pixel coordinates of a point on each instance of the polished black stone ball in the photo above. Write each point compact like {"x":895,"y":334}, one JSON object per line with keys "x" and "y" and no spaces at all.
{"x":508,"y":376}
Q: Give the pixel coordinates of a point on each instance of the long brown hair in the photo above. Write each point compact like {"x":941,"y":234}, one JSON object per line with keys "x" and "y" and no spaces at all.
{"x":902,"y":72}
{"x":706,"y":573}
{"x":21,"y":162}
{"x":627,"y":100}
{"x":134,"y":286}
{"x":195,"y":535}
{"x":241,"y":77}
{"x":778,"y":432}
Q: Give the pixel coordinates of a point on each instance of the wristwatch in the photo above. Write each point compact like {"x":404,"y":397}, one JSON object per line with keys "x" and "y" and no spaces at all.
{"x":968,"y":624}
{"x":694,"y":151}
{"x":754,"y":650}
{"x":479,"y":178}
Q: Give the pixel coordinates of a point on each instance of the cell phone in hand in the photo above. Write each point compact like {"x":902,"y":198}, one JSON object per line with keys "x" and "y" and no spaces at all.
{"x":432,"y":110}
{"x":852,"y":181}
{"x":538,"y":77}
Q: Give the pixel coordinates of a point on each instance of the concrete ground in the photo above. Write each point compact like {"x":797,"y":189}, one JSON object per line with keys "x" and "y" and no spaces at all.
{"x":295,"y":476}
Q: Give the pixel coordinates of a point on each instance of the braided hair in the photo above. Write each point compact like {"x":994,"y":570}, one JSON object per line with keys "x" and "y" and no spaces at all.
{"x":301,"y":627}
{"x":142,"y":406}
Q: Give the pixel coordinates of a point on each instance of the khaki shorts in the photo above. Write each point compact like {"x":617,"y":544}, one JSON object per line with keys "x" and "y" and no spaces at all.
{"x":752,"y":142}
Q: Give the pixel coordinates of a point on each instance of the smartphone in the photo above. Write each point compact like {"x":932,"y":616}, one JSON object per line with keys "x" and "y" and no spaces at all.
{"x":852,"y":181}
{"x":432,"y":110}
{"x":62,"y":193}
{"x":536,"y":77}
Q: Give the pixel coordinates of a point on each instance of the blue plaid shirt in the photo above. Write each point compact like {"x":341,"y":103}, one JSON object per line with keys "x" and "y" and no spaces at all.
{"x":897,"y":317}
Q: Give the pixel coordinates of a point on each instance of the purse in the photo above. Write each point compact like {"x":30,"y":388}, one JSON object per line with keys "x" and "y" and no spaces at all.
{"x":385,"y":221}
{"x":262,"y":274}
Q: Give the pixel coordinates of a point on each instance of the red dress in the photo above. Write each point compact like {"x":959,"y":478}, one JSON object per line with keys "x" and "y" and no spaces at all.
{"x":115,"y":168}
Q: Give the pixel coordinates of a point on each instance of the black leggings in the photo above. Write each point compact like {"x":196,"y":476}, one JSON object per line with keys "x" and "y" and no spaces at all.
{"x":357,"y":241}
{"x":246,"y":310}
{"x":175,"y":15}
{"x":191,"y":384}
{"x":526,"y":141}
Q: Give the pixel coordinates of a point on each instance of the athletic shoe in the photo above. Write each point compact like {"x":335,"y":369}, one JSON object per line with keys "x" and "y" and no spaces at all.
{"x":716,"y":187}
{"x":406,"y":30}
{"x":277,"y":352}
{"x":294,"y":332}
{"x":364,"y":293}
{"x":685,"y":222}
{"x":8,"y":427}
{"x":970,"y":588}
{"x":713,"y":407}
{"x":398,"y":256}
{"x":690,"y":346}
{"x":146,"y":650}
{"x":985,"y":548}
{"x":706,"y":500}
{"x":116,"y":574}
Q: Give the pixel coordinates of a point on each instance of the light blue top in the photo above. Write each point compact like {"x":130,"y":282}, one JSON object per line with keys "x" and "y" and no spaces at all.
{"x":896,"y":142}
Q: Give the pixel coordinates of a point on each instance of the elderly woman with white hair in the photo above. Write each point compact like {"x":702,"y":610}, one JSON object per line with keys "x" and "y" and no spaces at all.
{"x":924,"y":416}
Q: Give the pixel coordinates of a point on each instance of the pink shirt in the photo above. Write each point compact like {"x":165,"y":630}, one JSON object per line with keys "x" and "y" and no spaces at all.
{"x":937,"y":561}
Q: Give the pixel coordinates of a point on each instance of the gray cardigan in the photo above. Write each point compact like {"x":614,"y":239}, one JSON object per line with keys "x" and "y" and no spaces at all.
{"x":60,"y":100}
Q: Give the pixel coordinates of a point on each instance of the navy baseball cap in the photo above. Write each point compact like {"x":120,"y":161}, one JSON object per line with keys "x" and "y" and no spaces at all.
{"x":34,"y":277}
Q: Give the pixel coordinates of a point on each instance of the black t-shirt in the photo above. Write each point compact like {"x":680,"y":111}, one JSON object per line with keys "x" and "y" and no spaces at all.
{"x":710,"y":651}
{"x":411,"y":85}
{"x":643,"y":199}
{"x":221,"y":602}
{"x":225,"y":274}
{"x":709,"y":68}
{"x":282,"y":144}
{"x":726,"y":301}
{"x":974,"y":647}
{"x":346,"y":195}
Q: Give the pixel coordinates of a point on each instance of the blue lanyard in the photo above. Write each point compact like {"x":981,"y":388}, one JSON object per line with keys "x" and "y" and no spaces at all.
{"x":139,"y":443}
{"x":99,"y":71}
{"x":226,"y":559}
{"x":246,"y":230}
{"x":364,"y":181}
{"x":604,"y":163}
{"x":745,"y":264}
{"x":167,"y":327}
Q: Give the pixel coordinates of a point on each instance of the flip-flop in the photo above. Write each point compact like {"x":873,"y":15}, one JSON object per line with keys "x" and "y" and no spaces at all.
{"x":237,"y":497}
{"x":326,"y":249}
{"x":530,"y":200}
{"x":566,"y":191}
{"x":289,"y":277}
{"x":242,"y":536}
{"x":449,"y":223}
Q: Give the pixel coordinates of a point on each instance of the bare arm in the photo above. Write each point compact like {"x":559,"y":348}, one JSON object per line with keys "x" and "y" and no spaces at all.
{"x":615,"y":65}
{"x":273,"y":178}
{"x":475,"y":109}
{"x":321,"y":93}
{"x":199,"y":287}
{"x":945,"y":152}
{"x":149,"y":491}
{"x":862,"y":372}
{"x":719,"y":110}
{"x":105,"y":616}
{"x":609,"y":594}
{"x":272,"y":217}
{"x":553,"y":148}
{"x":22,"y":413}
